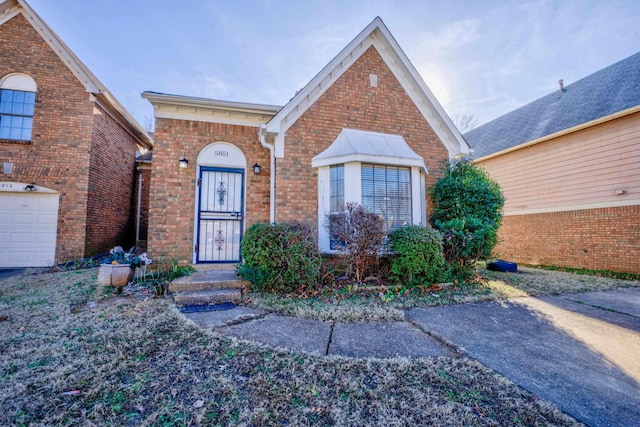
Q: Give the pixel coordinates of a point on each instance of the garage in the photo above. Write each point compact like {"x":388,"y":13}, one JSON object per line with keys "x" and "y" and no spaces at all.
{"x":28,"y":225}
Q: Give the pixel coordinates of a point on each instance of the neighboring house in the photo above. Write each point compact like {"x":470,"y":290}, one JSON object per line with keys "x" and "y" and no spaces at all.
{"x":67,"y":150}
{"x":365,"y":129}
{"x":569,"y":167}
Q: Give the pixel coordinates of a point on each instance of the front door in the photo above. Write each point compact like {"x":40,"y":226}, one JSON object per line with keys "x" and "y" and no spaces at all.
{"x":220,"y":214}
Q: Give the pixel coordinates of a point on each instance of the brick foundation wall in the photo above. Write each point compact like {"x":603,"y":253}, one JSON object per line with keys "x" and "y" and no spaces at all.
{"x":598,"y":239}
{"x":58,"y":155}
{"x":173,"y":190}
{"x":111,"y":203}
{"x":349,"y":103}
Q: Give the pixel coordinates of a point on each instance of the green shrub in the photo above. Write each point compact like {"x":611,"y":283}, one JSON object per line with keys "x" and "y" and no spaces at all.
{"x":468,"y":213}
{"x":417,"y":255}
{"x":280,"y":257}
{"x":465,"y":241}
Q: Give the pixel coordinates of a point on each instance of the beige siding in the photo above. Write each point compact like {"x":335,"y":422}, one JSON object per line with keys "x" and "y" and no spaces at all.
{"x":574,"y":171}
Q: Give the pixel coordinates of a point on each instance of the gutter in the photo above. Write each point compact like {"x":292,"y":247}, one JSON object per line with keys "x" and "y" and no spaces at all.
{"x":262,"y":137}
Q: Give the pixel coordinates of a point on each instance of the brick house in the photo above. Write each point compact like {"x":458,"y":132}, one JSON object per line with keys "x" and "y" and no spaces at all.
{"x":67,"y":150}
{"x":365,"y":129}
{"x":569,"y":167}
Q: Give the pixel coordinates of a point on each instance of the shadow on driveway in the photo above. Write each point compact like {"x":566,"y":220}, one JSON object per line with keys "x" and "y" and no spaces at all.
{"x":581,"y":352}
{"x":5,"y":273}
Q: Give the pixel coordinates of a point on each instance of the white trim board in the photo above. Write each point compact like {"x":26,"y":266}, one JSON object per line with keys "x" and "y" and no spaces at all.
{"x":377,"y":35}
{"x":568,"y":208}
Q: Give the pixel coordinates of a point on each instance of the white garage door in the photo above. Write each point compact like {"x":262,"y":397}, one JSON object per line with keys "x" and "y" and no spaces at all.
{"x":28,"y":225}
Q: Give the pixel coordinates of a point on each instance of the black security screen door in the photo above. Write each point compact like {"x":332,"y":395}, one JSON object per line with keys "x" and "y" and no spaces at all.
{"x":220,"y":214}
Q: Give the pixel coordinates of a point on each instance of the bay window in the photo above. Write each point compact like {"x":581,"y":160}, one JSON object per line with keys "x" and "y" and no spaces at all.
{"x":378,"y":171}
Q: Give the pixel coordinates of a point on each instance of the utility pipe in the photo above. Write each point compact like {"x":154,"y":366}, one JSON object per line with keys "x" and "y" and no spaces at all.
{"x":139,"y":207}
{"x":262,"y":137}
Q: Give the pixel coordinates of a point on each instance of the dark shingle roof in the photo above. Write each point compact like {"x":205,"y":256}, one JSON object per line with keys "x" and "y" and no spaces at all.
{"x":600,"y":94}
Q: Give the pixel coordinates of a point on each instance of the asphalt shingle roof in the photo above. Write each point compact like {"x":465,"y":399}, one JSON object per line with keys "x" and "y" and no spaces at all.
{"x":605,"y":92}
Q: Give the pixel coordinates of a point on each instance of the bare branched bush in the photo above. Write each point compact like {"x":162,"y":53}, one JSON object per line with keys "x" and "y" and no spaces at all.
{"x":359,"y":234}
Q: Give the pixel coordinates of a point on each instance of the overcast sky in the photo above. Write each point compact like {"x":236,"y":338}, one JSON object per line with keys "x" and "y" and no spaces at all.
{"x":480,"y":56}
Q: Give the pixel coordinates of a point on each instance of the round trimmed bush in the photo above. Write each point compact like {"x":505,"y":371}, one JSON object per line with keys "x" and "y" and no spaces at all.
{"x":280,"y":257}
{"x":417,"y":255}
{"x":468,"y":213}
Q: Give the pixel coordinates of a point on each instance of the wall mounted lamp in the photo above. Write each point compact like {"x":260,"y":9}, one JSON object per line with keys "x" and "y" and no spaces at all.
{"x":184,"y":163}
{"x":30,"y":188}
{"x":256,"y":169}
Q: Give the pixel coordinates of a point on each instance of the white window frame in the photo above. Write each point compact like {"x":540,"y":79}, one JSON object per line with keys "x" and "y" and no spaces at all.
{"x":353,"y":194}
{"x":18,"y":82}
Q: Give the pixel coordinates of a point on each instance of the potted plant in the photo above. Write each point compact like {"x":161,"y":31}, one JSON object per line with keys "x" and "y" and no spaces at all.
{"x":117,"y":269}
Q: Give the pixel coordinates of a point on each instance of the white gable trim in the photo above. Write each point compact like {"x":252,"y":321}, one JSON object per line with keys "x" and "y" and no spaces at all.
{"x":12,"y":8}
{"x":9,"y":10}
{"x":377,"y":35}
{"x":86,"y":77}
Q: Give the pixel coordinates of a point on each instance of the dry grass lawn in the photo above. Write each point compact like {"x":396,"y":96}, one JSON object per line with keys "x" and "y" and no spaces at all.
{"x":139,"y":362}
{"x":364,"y":304}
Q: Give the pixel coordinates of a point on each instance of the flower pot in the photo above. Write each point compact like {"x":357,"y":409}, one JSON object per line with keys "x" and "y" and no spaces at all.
{"x":116,"y":275}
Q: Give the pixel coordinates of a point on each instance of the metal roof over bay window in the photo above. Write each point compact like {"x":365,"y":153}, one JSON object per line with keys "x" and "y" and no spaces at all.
{"x":369,"y":147}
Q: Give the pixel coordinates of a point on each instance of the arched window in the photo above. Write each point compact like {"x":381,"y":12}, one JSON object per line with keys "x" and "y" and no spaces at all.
{"x":17,"y":102}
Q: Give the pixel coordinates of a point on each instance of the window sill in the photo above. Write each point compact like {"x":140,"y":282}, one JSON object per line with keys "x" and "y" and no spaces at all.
{"x":14,"y":141}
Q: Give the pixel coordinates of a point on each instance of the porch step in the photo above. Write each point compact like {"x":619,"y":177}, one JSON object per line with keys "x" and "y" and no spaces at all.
{"x":208,"y":286}
{"x":217,"y":267}
{"x":208,"y":280}
{"x":209,"y":296}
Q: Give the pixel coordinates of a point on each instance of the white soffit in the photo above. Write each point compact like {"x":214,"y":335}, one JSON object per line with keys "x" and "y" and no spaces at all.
{"x":369,"y":147}
{"x":377,"y":35}
{"x":180,"y":107}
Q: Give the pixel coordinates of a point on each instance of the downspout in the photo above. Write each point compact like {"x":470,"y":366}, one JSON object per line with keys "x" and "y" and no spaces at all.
{"x":262,"y":137}
{"x":139,"y":207}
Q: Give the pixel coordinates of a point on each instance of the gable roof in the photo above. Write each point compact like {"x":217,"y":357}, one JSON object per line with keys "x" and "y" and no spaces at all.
{"x":601,"y":96}
{"x":375,"y":34}
{"x":11,"y":8}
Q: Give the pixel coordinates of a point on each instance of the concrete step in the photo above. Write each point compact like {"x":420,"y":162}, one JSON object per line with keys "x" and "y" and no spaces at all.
{"x":207,"y":285}
{"x":208,"y":296}
{"x":208,"y":280}
{"x":215,"y":267}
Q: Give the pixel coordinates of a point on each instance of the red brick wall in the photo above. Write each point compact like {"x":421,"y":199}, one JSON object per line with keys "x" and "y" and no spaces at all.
{"x":76,"y":149}
{"x":599,"y":239}
{"x":58,"y":155}
{"x":172,"y":200}
{"x":349,"y":103}
{"x":111,"y":204}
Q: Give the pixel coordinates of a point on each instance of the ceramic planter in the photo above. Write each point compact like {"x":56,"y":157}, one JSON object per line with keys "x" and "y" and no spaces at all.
{"x":116,"y":275}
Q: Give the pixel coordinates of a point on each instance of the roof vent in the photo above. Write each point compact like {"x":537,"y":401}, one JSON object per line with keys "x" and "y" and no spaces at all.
{"x":561,"y":84}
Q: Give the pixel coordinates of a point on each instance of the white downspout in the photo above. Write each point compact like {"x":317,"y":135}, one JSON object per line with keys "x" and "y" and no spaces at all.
{"x":139,"y":207}
{"x":262,"y":135}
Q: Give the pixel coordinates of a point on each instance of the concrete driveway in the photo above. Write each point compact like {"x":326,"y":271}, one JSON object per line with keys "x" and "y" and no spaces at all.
{"x":5,"y":273}
{"x":580,"y":351}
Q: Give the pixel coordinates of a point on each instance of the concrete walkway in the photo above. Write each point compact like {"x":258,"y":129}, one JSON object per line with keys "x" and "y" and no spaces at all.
{"x":580,"y":351}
